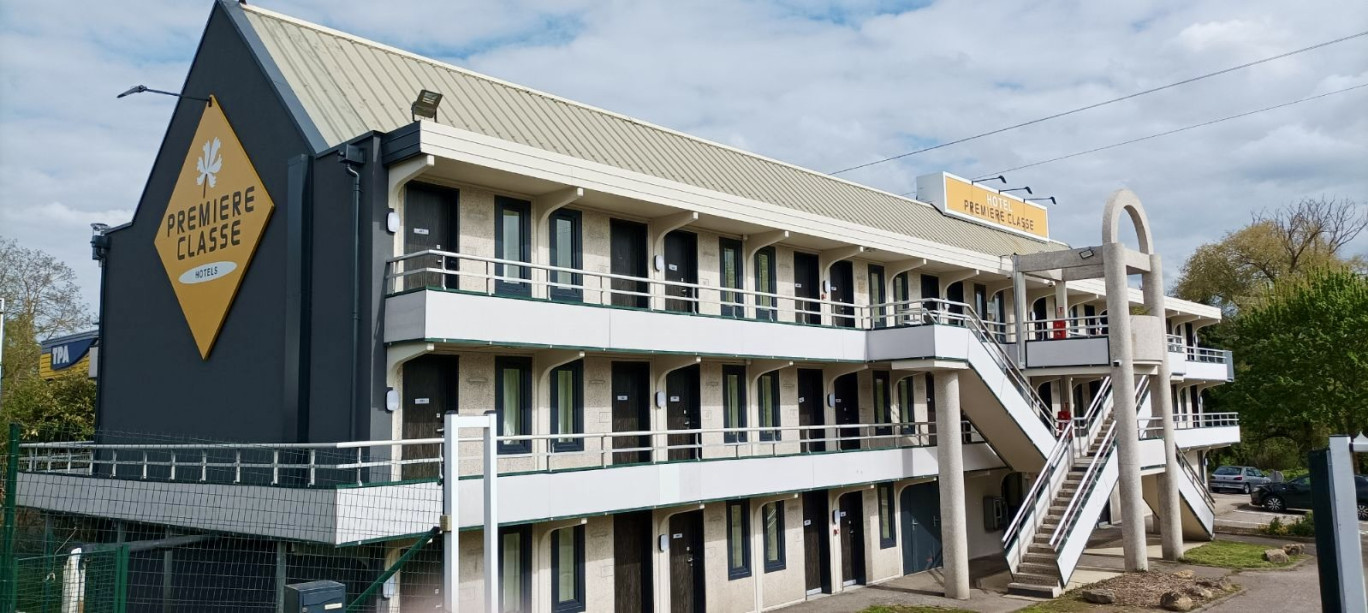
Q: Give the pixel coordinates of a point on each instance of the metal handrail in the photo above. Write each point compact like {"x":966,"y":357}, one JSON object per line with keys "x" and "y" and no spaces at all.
{"x":1057,"y":457}
{"x":1094,"y":469}
{"x":1196,"y":479}
{"x":82,"y":457}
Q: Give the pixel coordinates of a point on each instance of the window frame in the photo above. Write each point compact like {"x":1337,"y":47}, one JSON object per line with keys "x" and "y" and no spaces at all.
{"x":744,"y":570}
{"x":877,"y":294}
{"x":775,"y":412}
{"x":566,"y":294}
{"x":578,"y":604}
{"x":524,"y":208}
{"x":766,"y":307}
{"x":733,"y":303}
{"x":883,"y":411}
{"x":889,"y":520}
{"x":576,"y":370}
{"x":738,"y":371}
{"x":782,"y":562}
{"x":525,"y":559}
{"x":502,"y":363}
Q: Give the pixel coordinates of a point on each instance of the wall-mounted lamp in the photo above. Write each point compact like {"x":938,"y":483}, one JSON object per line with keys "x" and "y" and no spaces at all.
{"x":426,"y":105}
{"x":831,"y":400}
{"x":138,"y":89}
{"x":986,"y":179}
{"x":1085,"y":254}
{"x":660,"y":400}
{"x":1042,"y":199}
{"x":1015,"y":189}
{"x":659,"y":263}
{"x":392,"y":221}
{"x":391,"y":399}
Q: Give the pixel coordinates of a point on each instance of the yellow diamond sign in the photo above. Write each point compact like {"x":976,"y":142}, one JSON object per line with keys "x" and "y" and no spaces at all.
{"x":217,"y":213}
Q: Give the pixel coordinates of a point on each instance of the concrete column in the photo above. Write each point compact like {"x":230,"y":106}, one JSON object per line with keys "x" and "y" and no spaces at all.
{"x":950,"y":457}
{"x":1123,"y":397}
{"x":1161,"y":394}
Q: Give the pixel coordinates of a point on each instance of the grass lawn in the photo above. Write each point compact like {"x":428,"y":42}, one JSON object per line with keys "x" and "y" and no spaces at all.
{"x":899,"y":608}
{"x":1231,"y":554}
{"x":1067,"y":603}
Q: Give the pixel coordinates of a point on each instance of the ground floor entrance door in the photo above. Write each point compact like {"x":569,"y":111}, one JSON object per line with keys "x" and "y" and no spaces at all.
{"x":631,"y":393}
{"x":686,"y":563}
{"x":847,"y":390}
{"x":852,"y":538}
{"x":816,"y":545}
{"x":682,"y":412}
{"x":811,"y":411}
{"x":921,"y":545}
{"x":632,"y":563}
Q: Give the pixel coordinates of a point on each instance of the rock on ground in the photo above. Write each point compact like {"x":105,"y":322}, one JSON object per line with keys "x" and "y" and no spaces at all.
{"x":1294,"y":549}
{"x":1276,"y":556}
{"x":1185,"y":574}
{"x":1099,"y":596}
{"x":1175,"y":601}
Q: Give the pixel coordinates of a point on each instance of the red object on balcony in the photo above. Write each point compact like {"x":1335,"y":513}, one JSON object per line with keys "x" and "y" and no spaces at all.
{"x":1060,"y":329}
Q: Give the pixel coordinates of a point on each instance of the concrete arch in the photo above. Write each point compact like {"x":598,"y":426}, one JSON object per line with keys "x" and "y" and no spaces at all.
{"x":1126,"y":200}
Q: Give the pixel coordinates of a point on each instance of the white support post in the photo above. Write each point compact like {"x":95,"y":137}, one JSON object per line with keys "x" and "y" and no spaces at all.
{"x":450,"y":523}
{"x":2,"y":345}
{"x":491,"y":513}
{"x":451,"y":558}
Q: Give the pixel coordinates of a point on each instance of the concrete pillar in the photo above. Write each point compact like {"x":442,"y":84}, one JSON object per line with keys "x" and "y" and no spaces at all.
{"x":1123,"y":397}
{"x":1161,"y":394}
{"x":950,"y":457}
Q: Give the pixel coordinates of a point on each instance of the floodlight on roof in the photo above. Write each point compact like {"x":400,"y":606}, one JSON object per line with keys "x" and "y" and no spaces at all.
{"x":1042,"y":199}
{"x":1016,"y":189}
{"x":985,"y":179}
{"x":426,"y":105}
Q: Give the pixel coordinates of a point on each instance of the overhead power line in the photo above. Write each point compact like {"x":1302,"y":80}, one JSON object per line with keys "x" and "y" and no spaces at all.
{"x":1103,"y":103}
{"x":1183,"y":129}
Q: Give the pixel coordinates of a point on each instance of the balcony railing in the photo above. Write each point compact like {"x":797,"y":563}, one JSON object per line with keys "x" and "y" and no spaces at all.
{"x":494,"y":276}
{"x":1151,"y":427}
{"x":362,"y":463}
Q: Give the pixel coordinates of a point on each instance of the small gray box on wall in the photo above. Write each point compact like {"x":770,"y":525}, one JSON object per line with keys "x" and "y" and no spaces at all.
{"x":314,"y":597}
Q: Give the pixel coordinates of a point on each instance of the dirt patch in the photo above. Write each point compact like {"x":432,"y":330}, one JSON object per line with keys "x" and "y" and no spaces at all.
{"x":1145,"y":589}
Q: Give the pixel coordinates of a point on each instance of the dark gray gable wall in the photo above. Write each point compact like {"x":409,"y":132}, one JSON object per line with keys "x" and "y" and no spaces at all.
{"x":152,"y":379}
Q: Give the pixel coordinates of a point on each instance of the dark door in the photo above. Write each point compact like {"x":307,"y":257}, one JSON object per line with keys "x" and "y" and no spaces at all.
{"x":921,"y":528}
{"x":810,"y":408}
{"x":843,"y":290}
{"x":955,"y":295}
{"x":847,"y":390}
{"x":816,"y":545}
{"x":930,"y":291}
{"x":981,"y":301}
{"x":807,"y":284}
{"x":429,"y":391}
{"x":686,"y":563}
{"x":632,"y":562}
{"x":630,"y":411}
{"x":430,"y":214}
{"x":681,"y":412}
{"x":852,"y":538}
{"x":681,"y":266}
{"x":627,"y":255}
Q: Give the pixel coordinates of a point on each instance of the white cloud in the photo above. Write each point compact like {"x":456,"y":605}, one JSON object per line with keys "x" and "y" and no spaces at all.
{"x":821,"y":84}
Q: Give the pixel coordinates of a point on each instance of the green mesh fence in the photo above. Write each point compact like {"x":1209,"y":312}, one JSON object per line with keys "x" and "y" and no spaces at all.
{"x":138,"y":522}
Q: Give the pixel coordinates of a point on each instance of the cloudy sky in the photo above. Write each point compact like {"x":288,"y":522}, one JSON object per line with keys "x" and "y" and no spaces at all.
{"x":826,"y":85}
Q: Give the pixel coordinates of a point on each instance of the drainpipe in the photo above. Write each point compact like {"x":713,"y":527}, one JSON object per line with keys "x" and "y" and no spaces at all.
{"x":352,"y":156}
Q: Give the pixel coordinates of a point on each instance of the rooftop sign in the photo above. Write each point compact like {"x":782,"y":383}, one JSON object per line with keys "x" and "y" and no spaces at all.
{"x":217,"y":214}
{"x":984,"y":205}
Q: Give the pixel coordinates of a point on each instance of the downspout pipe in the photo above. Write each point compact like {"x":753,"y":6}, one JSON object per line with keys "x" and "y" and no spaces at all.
{"x":352,"y":156}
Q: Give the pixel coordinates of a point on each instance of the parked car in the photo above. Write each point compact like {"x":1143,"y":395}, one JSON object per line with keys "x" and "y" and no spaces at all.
{"x":1296,"y":494}
{"x":1242,"y":478}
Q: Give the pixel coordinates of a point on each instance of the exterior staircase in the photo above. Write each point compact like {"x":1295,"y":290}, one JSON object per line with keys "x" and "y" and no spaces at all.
{"x":1037,"y":575}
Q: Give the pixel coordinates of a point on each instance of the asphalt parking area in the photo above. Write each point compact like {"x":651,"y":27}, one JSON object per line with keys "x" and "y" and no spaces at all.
{"x":1236,"y":511}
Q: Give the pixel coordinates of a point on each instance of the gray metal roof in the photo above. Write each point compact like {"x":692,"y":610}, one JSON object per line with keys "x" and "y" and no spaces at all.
{"x":350,"y":86}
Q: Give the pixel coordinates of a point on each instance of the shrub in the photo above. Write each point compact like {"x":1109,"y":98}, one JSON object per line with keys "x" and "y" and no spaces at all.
{"x":1275,"y":528}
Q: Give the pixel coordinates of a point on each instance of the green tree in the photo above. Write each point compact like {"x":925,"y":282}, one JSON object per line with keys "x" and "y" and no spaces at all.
{"x":42,"y":301}
{"x":1303,"y":359}
{"x":1239,"y":269}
